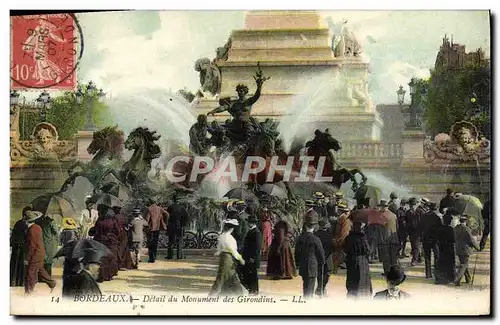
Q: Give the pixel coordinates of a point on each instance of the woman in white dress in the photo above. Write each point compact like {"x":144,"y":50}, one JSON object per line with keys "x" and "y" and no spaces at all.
{"x":227,"y":281}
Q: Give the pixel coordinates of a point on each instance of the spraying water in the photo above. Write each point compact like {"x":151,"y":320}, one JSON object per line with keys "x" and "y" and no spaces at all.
{"x":317,"y":92}
{"x":168,"y":114}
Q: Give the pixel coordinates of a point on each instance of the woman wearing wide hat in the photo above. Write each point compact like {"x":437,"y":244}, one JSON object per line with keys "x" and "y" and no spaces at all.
{"x":227,"y":281}
{"x":107,"y":232}
{"x":68,"y":232}
{"x":394,"y":278}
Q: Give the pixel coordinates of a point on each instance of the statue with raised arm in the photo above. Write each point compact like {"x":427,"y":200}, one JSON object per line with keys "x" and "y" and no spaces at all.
{"x":240,"y":109}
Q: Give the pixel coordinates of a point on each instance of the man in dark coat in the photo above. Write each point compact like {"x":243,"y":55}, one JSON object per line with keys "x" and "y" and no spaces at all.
{"x":177,"y":222}
{"x":156,"y":221}
{"x":464,"y":241}
{"x":309,"y":254}
{"x":402,"y":227}
{"x":326,"y":238}
{"x":394,"y":278}
{"x":50,"y":234}
{"x":445,"y":270}
{"x":413,"y":218}
{"x":18,"y":245}
{"x":251,"y":254}
{"x":430,"y":224}
{"x":447,"y":201}
{"x":486,"y":214}
{"x":35,"y":255}
{"x":320,"y":206}
{"x":393,"y":206}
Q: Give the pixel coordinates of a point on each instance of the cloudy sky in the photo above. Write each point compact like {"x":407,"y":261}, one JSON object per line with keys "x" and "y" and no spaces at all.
{"x":151,"y":49}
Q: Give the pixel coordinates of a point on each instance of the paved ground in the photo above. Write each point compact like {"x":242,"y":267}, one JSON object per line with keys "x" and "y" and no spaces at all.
{"x":196,"y":274}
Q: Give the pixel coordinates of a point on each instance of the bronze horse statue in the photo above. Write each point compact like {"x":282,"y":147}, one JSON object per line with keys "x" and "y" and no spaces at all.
{"x":107,"y":147}
{"x":134,"y":172}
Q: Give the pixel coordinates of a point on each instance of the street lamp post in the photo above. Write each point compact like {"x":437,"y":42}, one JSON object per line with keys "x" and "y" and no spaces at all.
{"x":43,"y":103}
{"x":413,"y":114}
{"x":88,"y":99}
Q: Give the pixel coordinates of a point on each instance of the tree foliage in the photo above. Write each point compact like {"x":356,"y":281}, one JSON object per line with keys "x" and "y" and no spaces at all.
{"x":67,"y":115}
{"x":449,"y":98}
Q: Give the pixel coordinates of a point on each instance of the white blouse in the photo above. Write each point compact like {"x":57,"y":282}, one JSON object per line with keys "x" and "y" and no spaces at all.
{"x":227,"y":244}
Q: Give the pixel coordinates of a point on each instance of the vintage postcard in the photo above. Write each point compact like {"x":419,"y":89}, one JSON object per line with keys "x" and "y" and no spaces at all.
{"x":259,"y":162}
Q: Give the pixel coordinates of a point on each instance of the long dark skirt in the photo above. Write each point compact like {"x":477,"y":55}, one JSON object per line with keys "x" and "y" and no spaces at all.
{"x":123,"y":253}
{"x":445,"y":268}
{"x":280,"y":263}
{"x":79,"y":284}
{"x":227,"y":281}
{"x":109,"y":264}
{"x":17,"y":266}
{"x":358,"y":282}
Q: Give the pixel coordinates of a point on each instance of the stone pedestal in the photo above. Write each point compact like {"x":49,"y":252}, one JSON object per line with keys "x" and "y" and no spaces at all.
{"x":294,"y":49}
{"x":83,"y":140}
{"x":413,"y":148}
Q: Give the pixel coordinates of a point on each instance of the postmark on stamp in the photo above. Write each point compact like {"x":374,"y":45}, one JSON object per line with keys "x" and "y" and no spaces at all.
{"x":45,"y":51}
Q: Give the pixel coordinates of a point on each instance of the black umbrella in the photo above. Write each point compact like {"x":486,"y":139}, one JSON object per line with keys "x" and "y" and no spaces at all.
{"x":88,"y":250}
{"x":242,"y":194}
{"x":105,"y":199}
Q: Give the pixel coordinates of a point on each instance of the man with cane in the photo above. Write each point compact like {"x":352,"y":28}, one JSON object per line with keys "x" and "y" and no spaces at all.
{"x":309,"y":255}
{"x":464,"y":241}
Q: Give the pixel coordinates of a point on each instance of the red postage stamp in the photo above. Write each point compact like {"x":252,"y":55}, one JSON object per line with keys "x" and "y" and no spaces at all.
{"x":45,"y":51}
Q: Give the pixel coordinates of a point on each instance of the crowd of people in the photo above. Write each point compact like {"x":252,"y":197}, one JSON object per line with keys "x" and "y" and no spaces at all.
{"x":35,"y":240}
{"x":332,"y":237}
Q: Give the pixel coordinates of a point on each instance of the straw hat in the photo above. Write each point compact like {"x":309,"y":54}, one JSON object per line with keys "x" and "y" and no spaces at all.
{"x":69,"y":223}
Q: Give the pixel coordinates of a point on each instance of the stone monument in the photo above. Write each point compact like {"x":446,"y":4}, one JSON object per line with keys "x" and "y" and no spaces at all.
{"x":293,"y":48}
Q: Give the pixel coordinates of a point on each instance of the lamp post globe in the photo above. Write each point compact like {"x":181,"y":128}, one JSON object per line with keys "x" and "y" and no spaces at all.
{"x":91,"y":88}
{"x":14,"y":97}
{"x":413,"y":86}
{"x":101,"y":95}
{"x":79,"y":96}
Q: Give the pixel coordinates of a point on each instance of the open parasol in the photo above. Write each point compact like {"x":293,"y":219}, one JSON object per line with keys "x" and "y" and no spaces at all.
{"x":369,"y":216}
{"x":53,"y":204}
{"x":369,"y":191}
{"x":87,"y":250}
{"x":241,"y":194}
{"x":273,"y":189}
{"x":468,"y":205}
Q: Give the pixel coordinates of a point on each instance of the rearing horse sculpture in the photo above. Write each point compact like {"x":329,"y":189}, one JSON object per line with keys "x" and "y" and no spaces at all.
{"x":107,"y":145}
{"x":134,"y":171}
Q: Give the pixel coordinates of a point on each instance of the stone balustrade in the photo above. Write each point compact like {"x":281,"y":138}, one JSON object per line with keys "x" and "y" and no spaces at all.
{"x":370,"y":150}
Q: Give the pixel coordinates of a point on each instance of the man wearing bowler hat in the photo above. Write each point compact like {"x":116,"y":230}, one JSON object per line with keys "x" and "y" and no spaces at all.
{"x":413,"y":218}
{"x":394,"y":278}
{"x":402,"y":227}
{"x":309,"y":254}
{"x":430,"y":224}
{"x":251,"y":254}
